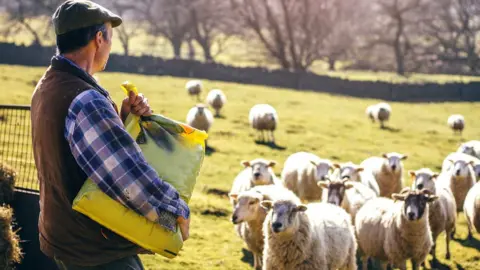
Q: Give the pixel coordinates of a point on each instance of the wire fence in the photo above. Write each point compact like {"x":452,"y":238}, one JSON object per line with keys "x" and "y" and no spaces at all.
{"x":16,"y":145}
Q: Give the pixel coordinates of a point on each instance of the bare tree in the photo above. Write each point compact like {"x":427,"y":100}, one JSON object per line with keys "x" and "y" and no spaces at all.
{"x":24,"y":12}
{"x":127,"y":10}
{"x":291,"y":31}
{"x":168,"y":19}
{"x":211,"y":21}
{"x":451,"y":27}
{"x":396,"y":26}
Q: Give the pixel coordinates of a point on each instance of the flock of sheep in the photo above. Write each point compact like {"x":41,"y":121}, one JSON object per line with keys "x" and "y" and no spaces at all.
{"x":325,"y":215}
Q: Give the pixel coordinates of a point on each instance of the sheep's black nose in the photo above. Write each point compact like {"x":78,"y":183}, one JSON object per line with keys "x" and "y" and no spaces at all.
{"x":256,"y":175}
{"x":411,"y":215}
{"x":458,"y":172}
{"x":276,"y":226}
{"x":394,"y":167}
{"x":234,"y":219}
{"x":420,"y":186}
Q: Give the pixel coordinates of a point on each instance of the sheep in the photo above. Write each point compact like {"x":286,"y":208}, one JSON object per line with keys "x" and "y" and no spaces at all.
{"x":449,"y":161}
{"x":304,"y":237}
{"x":248,"y":216}
{"x":256,"y":172}
{"x":457,"y":123}
{"x":459,"y":177}
{"x":387,"y":171}
{"x":194,"y":88}
{"x":441,"y":215}
{"x":471,"y":209}
{"x":349,"y":195}
{"x":394,"y":232}
{"x":470,"y":148}
{"x":356,"y":173}
{"x":379,"y":112}
{"x":302,"y":171}
{"x":217,"y":99}
{"x":263,"y":117}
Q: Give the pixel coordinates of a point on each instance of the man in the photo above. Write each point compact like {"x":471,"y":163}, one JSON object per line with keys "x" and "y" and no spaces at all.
{"x":78,"y":133}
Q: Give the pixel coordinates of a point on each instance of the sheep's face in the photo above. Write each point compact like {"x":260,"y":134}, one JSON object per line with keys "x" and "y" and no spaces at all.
{"x":461,"y":169}
{"x":415,"y":202}
{"x":247,"y":207}
{"x":336,"y":190}
{"x":476,"y":168}
{"x":200,"y":110}
{"x":424,"y":179}
{"x":261,"y":173}
{"x":350,"y":170}
{"x":322,"y":170}
{"x":283,"y":219}
{"x":393,"y":161}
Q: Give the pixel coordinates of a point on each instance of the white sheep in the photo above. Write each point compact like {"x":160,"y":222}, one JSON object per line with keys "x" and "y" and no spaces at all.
{"x":379,"y":112}
{"x":217,"y":99}
{"x":356,"y":173}
{"x":471,"y":209}
{"x":394,"y":232}
{"x":459,"y":177}
{"x":304,"y":237}
{"x":194,"y":88}
{"x":349,"y":195}
{"x":264,"y":118}
{"x":248,"y":216}
{"x":387,"y":171}
{"x":457,"y":123}
{"x":470,"y":148}
{"x":442,"y":212}
{"x":200,"y":117}
{"x":256,"y":172}
{"x":449,"y":161}
{"x":302,"y":171}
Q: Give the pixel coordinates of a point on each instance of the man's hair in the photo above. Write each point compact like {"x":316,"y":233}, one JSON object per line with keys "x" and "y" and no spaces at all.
{"x":79,"y":38}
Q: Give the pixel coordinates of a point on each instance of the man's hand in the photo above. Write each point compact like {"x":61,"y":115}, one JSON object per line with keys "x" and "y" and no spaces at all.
{"x":138,"y":105}
{"x":184,"y":225}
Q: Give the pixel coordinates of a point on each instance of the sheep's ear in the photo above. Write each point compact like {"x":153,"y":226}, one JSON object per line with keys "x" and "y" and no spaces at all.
{"x":404,"y":157}
{"x":360,"y":169}
{"x":435,"y":175}
{"x":233,"y":195}
{"x":412,"y":173}
{"x":314,"y":163}
{"x":398,"y":197}
{"x":472,"y":163}
{"x":348,"y":185}
{"x":336,"y":165}
{"x":322,"y":184}
{"x":245,"y":163}
{"x":431,"y":198}
{"x":272,"y":163}
{"x":450,"y":160}
{"x":385,"y":155}
{"x":266,"y":204}
{"x":301,"y":208}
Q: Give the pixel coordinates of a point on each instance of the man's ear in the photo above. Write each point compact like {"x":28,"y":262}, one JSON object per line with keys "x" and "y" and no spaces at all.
{"x":266,"y":204}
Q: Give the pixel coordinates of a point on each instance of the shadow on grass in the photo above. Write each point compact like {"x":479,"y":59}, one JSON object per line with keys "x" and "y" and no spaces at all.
{"x":247,"y":257}
{"x":220,"y":116}
{"x":214,"y":212}
{"x":217,"y":192}
{"x":272,"y":145}
{"x":391,"y":129}
{"x":438,"y":265}
{"x":473,"y":242}
{"x":209,"y":150}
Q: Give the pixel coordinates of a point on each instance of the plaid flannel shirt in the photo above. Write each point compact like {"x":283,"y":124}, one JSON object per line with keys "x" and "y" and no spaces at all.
{"x":113,"y":160}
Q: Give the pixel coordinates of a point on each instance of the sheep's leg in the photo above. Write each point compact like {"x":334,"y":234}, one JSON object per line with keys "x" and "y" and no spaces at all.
{"x":414,"y":265}
{"x":365,"y":263}
{"x":273,"y":137}
{"x":257,"y":262}
{"x":447,"y":242}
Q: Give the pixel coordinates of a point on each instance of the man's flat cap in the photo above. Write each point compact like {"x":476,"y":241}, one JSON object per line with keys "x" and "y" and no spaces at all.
{"x":76,"y":14}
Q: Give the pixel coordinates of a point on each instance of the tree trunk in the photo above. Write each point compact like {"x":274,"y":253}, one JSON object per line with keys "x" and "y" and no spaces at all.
{"x":207,"y":53}
{"x":331,"y":64}
{"x":399,"y":57}
{"x":177,"y":48}
{"x":126,"y":50}
{"x":191,"y":50}
{"x":36,"y":38}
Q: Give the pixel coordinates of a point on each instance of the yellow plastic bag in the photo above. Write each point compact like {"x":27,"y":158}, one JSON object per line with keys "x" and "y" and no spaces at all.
{"x":176,"y":151}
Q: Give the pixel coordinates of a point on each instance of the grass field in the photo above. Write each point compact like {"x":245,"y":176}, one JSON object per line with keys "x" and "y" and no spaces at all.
{"x":333,"y":127}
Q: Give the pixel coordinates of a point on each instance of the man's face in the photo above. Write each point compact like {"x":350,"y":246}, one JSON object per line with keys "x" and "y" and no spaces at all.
{"x":104,"y":46}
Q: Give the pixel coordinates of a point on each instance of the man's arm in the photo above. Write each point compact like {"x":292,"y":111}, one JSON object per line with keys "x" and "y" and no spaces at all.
{"x":113,"y":160}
